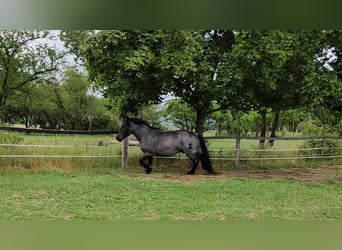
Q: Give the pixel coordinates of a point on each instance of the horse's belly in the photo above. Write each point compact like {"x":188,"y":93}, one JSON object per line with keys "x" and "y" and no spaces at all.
{"x":163,"y":147}
{"x":167,"y":150}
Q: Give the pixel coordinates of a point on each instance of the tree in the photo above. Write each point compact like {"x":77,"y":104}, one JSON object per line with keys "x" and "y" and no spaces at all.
{"x":179,"y":115}
{"x":208,"y":70}
{"x":61,"y":105}
{"x":329,"y":112}
{"x":24,"y":59}
{"x":273,"y":69}
{"x":194,"y":58}
{"x":138,"y":67}
{"x":80,"y":109}
{"x":125,"y":65}
{"x":72,"y":98}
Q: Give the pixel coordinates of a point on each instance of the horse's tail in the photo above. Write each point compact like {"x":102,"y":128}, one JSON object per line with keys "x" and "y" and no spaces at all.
{"x":205,"y":158}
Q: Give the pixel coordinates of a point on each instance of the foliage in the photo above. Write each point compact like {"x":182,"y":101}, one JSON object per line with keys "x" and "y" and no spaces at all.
{"x":179,"y":115}
{"x":81,"y":109}
{"x":308,"y":128}
{"x":33,"y":94}
{"x":75,"y":102}
{"x":194,"y":76}
{"x":290,"y":120}
{"x":222,"y":123}
{"x":125,"y":65}
{"x":65,"y":105}
{"x":24,"y":59}
{"x":215,"y":70}
{"x":214,"y":74}
{"x":322,"y":148}
{"x":73,"y":40}
{"x":138,"y":67}
{"x":276,"y":69}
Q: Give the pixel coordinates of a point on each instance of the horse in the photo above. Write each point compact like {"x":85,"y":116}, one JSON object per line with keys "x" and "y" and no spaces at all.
{"x":156,"y":142}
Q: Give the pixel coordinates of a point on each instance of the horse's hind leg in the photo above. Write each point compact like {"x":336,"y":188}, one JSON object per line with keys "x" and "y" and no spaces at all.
{"x":148,"y":170}
{"x":147,"y":166}
{"x":194,"y":163}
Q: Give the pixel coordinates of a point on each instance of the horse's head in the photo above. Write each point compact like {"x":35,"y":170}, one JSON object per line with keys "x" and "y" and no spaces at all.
{"x":124,"y":131}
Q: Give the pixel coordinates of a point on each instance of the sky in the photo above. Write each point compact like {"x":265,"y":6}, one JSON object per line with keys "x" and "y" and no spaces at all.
{"x":58,"y":44}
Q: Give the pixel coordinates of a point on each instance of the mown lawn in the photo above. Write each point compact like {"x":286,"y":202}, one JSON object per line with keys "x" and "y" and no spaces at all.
{"x":116,"y":194}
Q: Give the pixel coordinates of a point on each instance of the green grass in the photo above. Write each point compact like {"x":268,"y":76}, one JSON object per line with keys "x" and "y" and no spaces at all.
{"x":61,"y":145}
{"x":121,"y":194}
{"x":98,"y":188}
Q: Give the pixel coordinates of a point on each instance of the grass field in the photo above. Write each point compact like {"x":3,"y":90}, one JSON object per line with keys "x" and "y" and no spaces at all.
{"x":121,"y":195}
{"x":69,"y":188}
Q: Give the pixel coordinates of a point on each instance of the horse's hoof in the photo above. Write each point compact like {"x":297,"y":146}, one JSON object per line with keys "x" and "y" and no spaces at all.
{"x":212,"y":173}
{"x":148,"y":170}
{"x":190,"y":172}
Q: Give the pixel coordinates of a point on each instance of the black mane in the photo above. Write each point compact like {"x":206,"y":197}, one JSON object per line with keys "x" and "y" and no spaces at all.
{"x":140,"y":122}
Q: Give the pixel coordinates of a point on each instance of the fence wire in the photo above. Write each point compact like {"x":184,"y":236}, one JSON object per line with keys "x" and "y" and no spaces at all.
{"x":311,"y":153}
{"x":261,"y":157}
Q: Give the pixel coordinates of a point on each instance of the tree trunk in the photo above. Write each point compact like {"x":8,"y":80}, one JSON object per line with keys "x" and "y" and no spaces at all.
{"x":2,"y":109}
{"x":27,"y":121}
{"x":200,"y":120}
{"x":274,"y":127}
{"x":2,"y":116}
{"x":263,"y":128}
{"x":90,"y":122}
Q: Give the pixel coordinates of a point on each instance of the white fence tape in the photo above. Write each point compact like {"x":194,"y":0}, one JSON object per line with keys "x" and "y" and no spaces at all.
{"x":293,"y":157}
{"x":60,"y":156}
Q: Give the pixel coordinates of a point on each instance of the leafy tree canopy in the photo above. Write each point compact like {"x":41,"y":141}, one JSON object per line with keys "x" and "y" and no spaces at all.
{"x":24,"y":59}
{"x":211,"y":70}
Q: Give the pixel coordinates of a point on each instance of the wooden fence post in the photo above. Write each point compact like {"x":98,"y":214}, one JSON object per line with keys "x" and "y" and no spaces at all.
{"x":323,"y":141}
{"x":237,"y":149}
{"x":124,"y":158}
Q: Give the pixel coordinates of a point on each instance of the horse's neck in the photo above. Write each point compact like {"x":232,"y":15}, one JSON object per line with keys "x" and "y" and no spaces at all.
{"x":140,"y":131}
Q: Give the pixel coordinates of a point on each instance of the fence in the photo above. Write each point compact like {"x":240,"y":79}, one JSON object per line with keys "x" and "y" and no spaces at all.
{"x":323,"y":152}
{"x":54,"y":131}
{"x":235,"y":155}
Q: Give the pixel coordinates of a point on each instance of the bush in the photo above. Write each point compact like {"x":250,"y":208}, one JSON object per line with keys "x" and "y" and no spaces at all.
{"x":309,"y":129}
{"x":331,"y":148}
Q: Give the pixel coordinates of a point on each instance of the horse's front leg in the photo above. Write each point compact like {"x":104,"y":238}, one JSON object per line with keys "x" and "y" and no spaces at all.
{"x":146,"y":166}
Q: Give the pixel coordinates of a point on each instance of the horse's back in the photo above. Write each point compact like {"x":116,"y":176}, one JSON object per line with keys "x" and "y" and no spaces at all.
{"x":167,"y":143}
{"x":175,"y":138}
{"x":183,"y":136}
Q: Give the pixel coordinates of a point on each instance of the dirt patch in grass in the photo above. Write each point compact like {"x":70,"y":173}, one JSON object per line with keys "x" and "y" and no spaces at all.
{"x":314,"y":174}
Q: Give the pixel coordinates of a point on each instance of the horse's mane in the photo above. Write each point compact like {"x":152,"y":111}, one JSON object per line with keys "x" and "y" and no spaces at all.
{"x":140,"y":121}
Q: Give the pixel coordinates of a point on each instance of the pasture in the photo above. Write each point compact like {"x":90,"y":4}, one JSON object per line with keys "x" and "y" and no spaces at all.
{"x":73,"y":188}
{"x":120,"y":195}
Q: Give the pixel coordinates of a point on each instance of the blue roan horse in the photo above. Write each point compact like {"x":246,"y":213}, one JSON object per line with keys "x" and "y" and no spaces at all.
{"x":154,"y":141}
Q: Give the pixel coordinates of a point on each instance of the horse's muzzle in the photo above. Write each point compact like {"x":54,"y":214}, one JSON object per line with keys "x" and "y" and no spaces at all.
{"x":118,"y":137}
